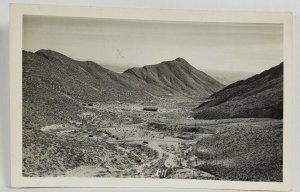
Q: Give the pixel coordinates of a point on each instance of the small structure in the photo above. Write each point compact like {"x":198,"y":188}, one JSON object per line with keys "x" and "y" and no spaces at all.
{"x":145,"y":142}
{"x":150,"y":109}
{"x":90,"y":104}
{"x":139,"y":161}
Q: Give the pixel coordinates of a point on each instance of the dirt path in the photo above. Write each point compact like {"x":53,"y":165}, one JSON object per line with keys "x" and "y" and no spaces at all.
{"x":170,"y":160}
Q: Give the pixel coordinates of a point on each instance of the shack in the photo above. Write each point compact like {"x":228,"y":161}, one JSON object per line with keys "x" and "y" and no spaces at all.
{"x":150,"y":109}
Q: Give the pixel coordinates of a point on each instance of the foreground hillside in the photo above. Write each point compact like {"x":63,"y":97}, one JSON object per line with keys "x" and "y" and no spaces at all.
{"x":177,"y":77}
{"x":258,"y":96}
{"x":250,"y":150}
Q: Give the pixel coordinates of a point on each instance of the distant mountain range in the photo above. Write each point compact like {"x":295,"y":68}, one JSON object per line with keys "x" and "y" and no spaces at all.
{"x":89,"y":82}
{"x":258,"y":96}
{"x":56,"y":86}
{"x":228,"y":77}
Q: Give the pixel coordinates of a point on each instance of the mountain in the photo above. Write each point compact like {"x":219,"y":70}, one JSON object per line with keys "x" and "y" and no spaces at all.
{"x":80,"y":80}
{"x":260,"y":96}
{"x":55,"y":87}
{"x":176,"y":77}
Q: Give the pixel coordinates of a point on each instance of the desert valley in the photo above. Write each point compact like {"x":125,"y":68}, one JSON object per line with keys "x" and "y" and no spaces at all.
{"x":168,"y":120}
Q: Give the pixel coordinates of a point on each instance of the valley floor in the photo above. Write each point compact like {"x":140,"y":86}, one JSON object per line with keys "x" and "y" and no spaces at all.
{"x":122,"y":140}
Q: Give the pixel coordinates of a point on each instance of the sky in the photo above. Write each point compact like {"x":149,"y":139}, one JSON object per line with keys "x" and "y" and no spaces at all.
{"x":122,"y":44}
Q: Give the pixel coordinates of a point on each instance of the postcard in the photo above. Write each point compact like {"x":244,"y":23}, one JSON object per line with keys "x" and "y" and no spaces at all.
{"x":115,"y":97}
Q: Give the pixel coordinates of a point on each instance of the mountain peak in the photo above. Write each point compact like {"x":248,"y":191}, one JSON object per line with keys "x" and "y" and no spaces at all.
{"x":180,"y":59}
{"x":178,"y":62}
{"x":49,"y":54}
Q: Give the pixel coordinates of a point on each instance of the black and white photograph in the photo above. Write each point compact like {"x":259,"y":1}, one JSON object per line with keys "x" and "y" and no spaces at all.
{"x":125,"y":98}
{"x":153,"y":99}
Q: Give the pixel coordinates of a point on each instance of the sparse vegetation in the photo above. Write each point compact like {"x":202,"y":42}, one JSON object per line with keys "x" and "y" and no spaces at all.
{"x":80,"y":119}
{"x":260,"y":96}
{"x":247,"y":153}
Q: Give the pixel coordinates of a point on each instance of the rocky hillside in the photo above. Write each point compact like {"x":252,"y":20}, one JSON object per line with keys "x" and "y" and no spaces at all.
{"x":258,"y":96}
{"x":176,"y":77}
{"x":85,"y":81}
{"x":55,"y":87}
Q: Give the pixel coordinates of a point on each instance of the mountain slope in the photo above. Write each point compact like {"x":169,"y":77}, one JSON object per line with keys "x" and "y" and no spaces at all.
{"x":258,"y":96}
{"x":86,"y":81}
{"x":177,"y":77}
{"x":55,"y":86}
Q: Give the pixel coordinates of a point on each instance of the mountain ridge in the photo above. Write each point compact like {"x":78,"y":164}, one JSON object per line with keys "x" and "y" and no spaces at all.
{"x":176,"y":76}
{"x":55,"y":87}
{"x":258,"y":96}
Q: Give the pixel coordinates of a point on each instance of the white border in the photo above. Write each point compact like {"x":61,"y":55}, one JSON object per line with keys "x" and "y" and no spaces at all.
{"x":15,"y":58}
